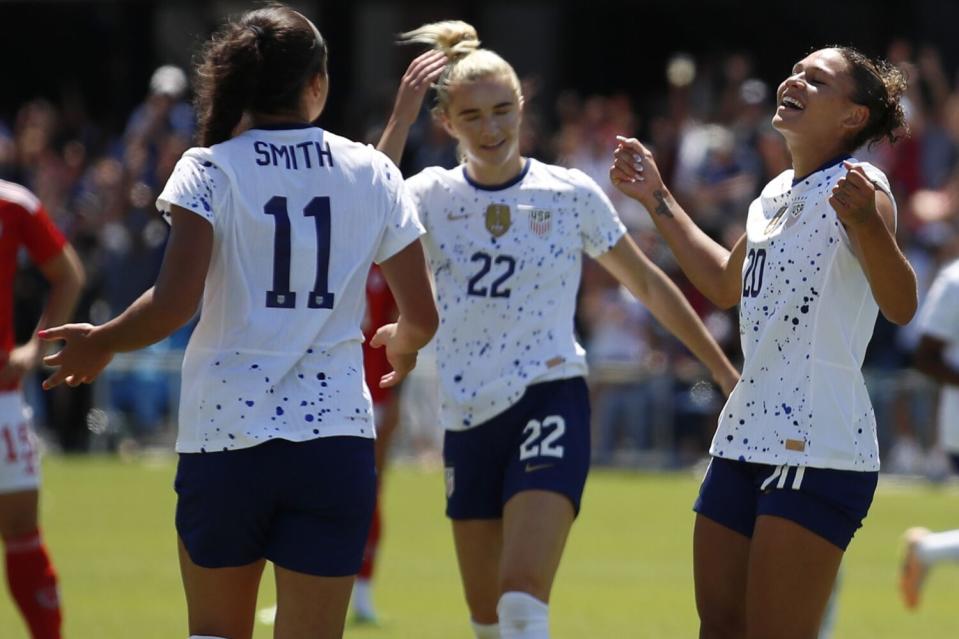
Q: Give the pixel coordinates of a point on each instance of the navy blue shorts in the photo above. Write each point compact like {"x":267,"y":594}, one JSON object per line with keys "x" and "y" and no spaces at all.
{"x":540,"y":443}
{"x":830,"y":503}
{"x":305,"y":506}
{"x":954,"y":461}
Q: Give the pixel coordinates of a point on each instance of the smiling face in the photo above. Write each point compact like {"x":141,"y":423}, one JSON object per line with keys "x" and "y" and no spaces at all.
{"x":814,"y":104}
{"x":484,"y":116}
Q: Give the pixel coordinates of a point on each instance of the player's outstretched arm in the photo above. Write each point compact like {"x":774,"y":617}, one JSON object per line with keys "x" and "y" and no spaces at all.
{"x":666,"y":302}
{"x":417,"y":80}
{"x":64,"y":272}
{"x":868,"y":217}
{"x":409,"y":281}
{"x":712,"y":268}
{"x":168,"y":305}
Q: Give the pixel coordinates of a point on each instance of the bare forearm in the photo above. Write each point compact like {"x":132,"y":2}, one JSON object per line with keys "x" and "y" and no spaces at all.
{"x":393,"y":140}
{"x":890,"y":275}
{"x":671,"y":308}
{"x":703,"y":260}
{"x":146,"y":321}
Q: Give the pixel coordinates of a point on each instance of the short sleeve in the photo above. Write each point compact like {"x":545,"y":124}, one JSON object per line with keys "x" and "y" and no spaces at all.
{"x":42,"y":239}
{"x":196,"y":185}
{"x":939,"y":315}
{"x":882,"y":183}
{"x":402,"y":226}
{"x":600,"y":226}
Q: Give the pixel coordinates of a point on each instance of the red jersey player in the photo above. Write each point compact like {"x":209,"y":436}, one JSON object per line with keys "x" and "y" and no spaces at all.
{"x":30,"y":574}
{"x":380,"y":310}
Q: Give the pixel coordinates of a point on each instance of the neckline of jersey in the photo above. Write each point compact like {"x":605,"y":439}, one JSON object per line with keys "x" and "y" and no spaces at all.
{"x":284,"y":126}
{"x":828,"y":165}
{"x":498,"y":187}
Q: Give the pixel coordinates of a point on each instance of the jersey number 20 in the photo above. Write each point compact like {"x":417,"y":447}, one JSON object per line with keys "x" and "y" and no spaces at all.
{"x":280,"y":296}
{"x":753,"y":279}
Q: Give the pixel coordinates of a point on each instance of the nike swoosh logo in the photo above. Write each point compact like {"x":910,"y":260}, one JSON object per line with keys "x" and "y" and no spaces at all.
{"x":531,"y":468}
{"x":450,"y":216}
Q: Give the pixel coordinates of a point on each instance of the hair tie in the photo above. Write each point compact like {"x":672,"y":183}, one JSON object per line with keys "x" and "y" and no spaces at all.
{"x":256,"y":29}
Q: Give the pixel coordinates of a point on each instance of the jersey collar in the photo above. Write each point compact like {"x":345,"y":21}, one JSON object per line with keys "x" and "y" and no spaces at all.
{"x":283,"y":126}
{"x":828,"y":165}
{"x":497,"y":187}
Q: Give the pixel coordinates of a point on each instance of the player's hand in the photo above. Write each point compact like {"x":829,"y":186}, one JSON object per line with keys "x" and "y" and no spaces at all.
{"x":401,"y":360}
{"x":419,"y":77}
{"x":80,"y":360}
{"x":634,"y":171}
{"x":854,"y":197}
{"x":19,"y":362}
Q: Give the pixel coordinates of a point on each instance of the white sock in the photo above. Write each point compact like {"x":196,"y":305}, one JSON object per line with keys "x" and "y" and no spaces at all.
{"x":937,"y":547}
{"x":522,"y":616}
{"x":363,"y":598}
{"x":485,"y":630}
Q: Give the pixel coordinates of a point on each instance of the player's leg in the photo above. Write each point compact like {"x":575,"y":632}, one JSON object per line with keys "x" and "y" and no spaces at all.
{"x":220,"y":601}
{"x":474,"y":460}
{"x":805,"y":521}
{"x":318,"y":533}
{"x":310,"y":606}
{"x":536,"y":524}
{"x":924,"y":549}
{"x":542,"y":491}
{"x":726,"y":515}
{"x":720,"y":561}
{"x":791,"y":575}
{"x":31,"y":578}
{"x":387,"y":418}
{"x":479,"y":545}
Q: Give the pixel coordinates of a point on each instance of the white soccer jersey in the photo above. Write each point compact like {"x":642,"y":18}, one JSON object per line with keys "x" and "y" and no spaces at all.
{"x":939,"y":317}
{"x":298,"y":215}
{"x":806,"y":315}
{"x":506,"y":263}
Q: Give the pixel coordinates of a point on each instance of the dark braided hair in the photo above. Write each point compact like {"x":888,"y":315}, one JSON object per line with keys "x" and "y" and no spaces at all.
{"x":879,"y":86}
{"x":258,"y":63}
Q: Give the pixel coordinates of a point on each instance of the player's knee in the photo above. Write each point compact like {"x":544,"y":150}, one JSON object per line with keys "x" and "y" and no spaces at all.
{"x":522,"y":615}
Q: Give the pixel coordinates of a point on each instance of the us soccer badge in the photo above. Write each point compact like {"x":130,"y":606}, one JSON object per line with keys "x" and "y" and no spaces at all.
{"x":540,"y":222}
{"x":497,"y":219}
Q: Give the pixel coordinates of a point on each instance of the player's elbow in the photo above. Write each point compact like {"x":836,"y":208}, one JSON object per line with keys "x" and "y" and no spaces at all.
{"x":903,"y":310}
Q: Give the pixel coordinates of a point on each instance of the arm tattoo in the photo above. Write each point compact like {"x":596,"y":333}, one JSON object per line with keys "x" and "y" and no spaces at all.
{"x":662,"y":208}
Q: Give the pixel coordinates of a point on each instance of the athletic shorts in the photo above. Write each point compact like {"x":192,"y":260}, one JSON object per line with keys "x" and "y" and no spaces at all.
{"x":19,"y":461}
{"x":830,"y":503}
{"x":305,"y":506}
{"x":540,"y":443}
{"x":954,"y":462}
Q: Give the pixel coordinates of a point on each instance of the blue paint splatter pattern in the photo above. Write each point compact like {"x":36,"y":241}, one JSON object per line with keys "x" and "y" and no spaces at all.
{"x":806,"y":316}
{"x":506,"y":263}
{"x":255,"y":371}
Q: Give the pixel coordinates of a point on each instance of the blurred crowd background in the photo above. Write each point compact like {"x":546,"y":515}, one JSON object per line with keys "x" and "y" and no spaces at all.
{"x":97,"y":161}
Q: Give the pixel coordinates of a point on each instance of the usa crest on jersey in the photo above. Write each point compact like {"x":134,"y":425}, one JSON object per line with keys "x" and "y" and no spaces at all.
{"x":540,"y":221}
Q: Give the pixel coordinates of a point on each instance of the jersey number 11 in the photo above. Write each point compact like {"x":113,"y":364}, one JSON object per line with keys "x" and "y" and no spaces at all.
{"x":280,"y":296}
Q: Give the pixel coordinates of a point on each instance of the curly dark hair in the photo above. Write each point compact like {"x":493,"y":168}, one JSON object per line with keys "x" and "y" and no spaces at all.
{"x":260,"y":63}
{"x":879,"y":86}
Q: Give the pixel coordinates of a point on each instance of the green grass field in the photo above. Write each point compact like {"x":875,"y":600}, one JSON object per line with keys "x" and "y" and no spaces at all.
{"x":627,"y":571}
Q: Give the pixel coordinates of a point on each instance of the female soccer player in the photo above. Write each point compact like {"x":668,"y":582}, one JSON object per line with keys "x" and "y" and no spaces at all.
{"x":30,"y":573}
{"x":505,"y":241}
{"x":795,"y":458}
{"x":275,"y":228}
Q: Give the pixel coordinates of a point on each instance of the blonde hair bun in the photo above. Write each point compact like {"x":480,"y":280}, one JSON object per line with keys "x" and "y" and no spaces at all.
{"x":455,"y":38}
